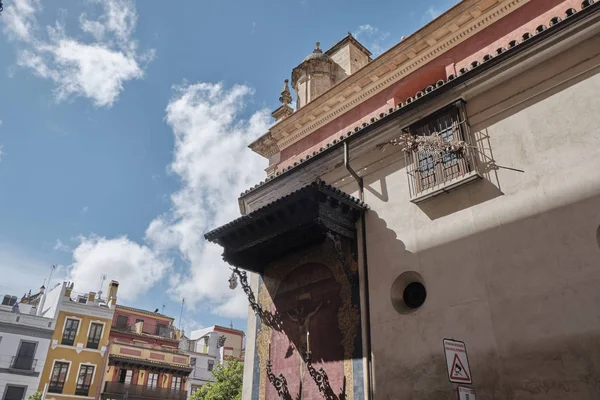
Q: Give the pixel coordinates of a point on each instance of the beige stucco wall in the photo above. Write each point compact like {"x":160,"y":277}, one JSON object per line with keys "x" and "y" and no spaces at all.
{"x":511,"y":262}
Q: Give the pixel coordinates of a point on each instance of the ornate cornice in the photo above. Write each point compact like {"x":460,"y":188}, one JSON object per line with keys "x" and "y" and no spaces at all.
{"x":451,"y":29}
{"x":87,"y":310}
{"x":26,"y":330}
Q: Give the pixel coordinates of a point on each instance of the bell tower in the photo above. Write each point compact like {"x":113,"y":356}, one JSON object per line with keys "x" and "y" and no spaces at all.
{"x":314,"y":76}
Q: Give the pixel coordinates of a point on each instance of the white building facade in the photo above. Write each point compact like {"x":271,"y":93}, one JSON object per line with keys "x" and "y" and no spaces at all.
{"x":208,"y":347}
{"x":24,"y":342}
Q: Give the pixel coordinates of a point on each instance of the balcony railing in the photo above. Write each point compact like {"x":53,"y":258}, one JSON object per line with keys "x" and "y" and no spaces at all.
{"x":149,"y":346}
{"x":142,"y":392}
{"x":167,"y":332}
{"x":82,"y":390}
{"x":23,"y":364}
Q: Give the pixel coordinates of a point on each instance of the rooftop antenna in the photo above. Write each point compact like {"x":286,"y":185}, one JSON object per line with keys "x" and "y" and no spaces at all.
{"x":181,"y":314}
{"x":52,"y":268}
{"x":102,"y":279}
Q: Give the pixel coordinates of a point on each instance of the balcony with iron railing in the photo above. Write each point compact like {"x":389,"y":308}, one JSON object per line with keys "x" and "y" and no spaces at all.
{"x":120,"y":390}
{"x":165,"y":332}
{"x":23,"y":365}
{"x":148,"y":346}
{"x":143,"y":354}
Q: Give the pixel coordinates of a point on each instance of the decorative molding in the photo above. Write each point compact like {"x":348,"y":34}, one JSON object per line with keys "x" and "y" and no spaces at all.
{"x":87,"y":310}
{"x":68,"y":396}
{"x":13,"y":371}
{"x":55,"y":345}
{"x":399,"y":61}
{"x":26,"y":330}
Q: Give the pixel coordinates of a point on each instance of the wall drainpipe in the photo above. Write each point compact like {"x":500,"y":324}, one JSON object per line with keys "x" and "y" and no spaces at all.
{"x":359,"y":181}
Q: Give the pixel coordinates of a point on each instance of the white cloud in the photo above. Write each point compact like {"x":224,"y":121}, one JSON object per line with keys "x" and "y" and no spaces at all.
{"x":136,"y":267}
{"x":60,"y":246}
{"x":84,"y":209}
{"x":374,"y":39}
{"x":213,"y":163}
{"x":96,"y":69}
{"x":19,"y":17}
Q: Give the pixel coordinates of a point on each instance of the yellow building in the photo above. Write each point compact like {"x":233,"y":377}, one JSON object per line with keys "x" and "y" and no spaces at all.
{"x":75,"y":361}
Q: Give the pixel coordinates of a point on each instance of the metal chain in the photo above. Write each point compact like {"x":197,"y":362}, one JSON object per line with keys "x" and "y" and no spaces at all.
{"x":272,"y":320}
{"x":279,"y":383}
{"x":322,"y":380}
{"x":337,"y":243}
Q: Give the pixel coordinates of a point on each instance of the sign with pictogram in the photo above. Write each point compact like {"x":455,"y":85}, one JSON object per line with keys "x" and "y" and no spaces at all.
{"x":465,"y":393}
{"x":457,"y":362}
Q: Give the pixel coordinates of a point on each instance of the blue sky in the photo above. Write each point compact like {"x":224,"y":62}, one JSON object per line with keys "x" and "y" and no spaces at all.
{"x":124,"y":128}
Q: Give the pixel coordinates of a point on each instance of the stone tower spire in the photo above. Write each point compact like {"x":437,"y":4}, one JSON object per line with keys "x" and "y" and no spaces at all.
{"x":286,"y":96}
{"x":286,"y":99}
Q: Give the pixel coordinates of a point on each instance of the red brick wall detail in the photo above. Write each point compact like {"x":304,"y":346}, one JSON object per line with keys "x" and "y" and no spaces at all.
{"x":157,"y":356}
{"x":180,"y":360}
{"x":130,"y":352}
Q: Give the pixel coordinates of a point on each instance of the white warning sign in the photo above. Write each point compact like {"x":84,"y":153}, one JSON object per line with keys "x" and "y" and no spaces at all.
{"x":457,"y":362}
{"x":465,"y":393}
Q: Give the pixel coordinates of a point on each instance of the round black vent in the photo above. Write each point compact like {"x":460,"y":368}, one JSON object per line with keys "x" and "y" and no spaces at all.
{"x":414,"y":295}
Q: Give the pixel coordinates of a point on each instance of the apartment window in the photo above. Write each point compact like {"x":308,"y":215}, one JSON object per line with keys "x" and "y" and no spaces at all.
{"x":24,"y":358}
{"x":14,"y":392}
{"x":152,"y":380}
{"x":71,"y":327}
{"x":95,"y":336}
{"x":125,"y":376}
{"x":58,"y":377}
{"x":211,"y":365}
{"x":162,"y":330}
{"x":122,"y":322}
{"x":429,"y":168}
{"x":84,"y":380}
{"x":193,"y":362}
{"x":9,"y":300}
{"x":195,"y":388}
{"x":176,"y":383}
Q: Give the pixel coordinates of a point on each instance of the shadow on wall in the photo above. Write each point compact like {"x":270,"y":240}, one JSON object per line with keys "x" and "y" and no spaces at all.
{"x":523,"y":296}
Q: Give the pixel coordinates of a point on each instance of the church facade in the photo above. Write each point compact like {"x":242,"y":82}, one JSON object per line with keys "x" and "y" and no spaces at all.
{"x":447,"y":189}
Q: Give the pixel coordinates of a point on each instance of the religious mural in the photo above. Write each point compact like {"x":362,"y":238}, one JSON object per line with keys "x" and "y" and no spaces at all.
{"x":313,"y":294}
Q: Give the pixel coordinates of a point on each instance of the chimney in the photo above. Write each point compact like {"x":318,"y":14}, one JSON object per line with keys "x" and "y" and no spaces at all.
{"x":91,"y":297}
{"x":69,"y":289}
{"x":111,"y":296}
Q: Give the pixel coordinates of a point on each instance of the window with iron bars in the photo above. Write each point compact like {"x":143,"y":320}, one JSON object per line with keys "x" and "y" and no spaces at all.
{"x":431,"y":169}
